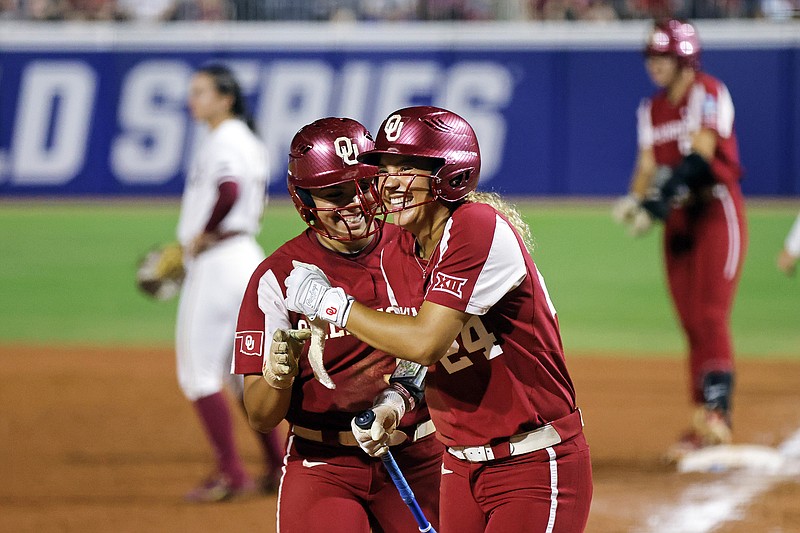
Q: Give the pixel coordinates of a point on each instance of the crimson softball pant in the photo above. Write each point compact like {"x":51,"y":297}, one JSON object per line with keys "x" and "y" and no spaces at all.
{"x":546,"y":491}
{"x":340,"y":489}
{"x":703,"y":279}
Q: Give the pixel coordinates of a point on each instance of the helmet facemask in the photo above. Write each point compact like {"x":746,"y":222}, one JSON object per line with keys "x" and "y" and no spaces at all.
{"x":360,"y":217}
{"x":406,"y":189}
{"x":403,"y":196}
{"x":333,"y":192}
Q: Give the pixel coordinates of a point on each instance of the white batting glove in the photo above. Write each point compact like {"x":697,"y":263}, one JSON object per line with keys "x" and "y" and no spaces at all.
{"x":389,"y":408}
{"x":309,"y":292}
{"x":280,"y":366}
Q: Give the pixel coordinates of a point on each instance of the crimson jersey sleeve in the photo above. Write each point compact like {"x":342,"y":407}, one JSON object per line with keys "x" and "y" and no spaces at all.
{"x":710,"y":105}
{"x":261,"y":313}
{"x":476,"y":268}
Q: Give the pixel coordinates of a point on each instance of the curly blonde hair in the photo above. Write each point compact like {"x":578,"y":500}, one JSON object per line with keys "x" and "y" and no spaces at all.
{"x":506,"y":209}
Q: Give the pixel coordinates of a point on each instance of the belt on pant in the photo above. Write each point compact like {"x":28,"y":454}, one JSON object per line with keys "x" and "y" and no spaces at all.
{"x":540,"y":438}
{"x":346,"y":438}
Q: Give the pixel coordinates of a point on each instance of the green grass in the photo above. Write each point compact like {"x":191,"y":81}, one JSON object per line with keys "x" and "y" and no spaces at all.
{"x":67,"y":273}
{"x":67,"y":269}
{"x":610,"y":290}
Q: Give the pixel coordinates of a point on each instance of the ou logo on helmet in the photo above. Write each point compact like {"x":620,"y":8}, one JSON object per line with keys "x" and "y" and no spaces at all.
{"x":346,"y":150}
{"x":393,"y":127}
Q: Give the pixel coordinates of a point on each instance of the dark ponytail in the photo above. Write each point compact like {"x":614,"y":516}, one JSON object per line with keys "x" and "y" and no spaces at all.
{"x":225,"y":83}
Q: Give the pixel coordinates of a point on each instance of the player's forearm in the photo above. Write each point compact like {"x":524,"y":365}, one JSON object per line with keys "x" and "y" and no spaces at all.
{"x":643,"y":174}
{"x":704,"y":143}
{"x":406,"y":337}
{"x":228,"y":193}
{"x":266,"y":406}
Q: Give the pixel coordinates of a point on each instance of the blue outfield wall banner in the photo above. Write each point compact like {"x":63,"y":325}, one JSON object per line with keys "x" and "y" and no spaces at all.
{"x":100,"y":110}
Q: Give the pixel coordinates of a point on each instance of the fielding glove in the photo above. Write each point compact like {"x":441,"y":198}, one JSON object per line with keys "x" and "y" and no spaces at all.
{"x":160,"y":272}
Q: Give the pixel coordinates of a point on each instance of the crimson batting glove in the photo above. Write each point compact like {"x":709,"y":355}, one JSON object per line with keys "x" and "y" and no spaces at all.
{"x":389,"y":408}
{"x":309,"y":292}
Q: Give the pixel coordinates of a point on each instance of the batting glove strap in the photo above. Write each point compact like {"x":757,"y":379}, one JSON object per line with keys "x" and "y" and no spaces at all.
{"x":335,"y":306}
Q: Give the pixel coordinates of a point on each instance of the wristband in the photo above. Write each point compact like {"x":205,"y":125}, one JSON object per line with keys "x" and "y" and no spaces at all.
{"x":394,"y":397}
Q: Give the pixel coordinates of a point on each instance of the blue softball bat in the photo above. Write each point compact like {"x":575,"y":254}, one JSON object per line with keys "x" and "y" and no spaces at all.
{"x":364,"y":421}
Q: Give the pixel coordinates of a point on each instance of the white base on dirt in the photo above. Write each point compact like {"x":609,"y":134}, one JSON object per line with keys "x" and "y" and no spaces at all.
{"x":727,"y":457}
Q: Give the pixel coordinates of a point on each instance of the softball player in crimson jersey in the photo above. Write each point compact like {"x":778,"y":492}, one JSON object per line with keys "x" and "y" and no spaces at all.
{"x":223,"y":200}
{"x":498,"y":388}
{"x":327,"y":479}
{"x":686,"y":137}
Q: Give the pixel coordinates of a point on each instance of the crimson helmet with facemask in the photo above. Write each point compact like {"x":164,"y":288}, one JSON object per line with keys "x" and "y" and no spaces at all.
{"x":322,"y":154}
{"x":440,"y":138}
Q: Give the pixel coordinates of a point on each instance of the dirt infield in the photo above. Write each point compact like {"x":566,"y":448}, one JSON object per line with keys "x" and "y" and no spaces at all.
{"x":100,"y":440}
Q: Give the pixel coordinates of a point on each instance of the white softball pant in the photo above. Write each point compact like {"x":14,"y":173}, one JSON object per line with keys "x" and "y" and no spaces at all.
{"x":207,"y":313}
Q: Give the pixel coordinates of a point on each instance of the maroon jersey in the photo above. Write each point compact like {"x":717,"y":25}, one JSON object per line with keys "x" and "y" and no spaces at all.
{"x":667,"y":128}
{"x":508,"y":375}
{"x":381,"y":276}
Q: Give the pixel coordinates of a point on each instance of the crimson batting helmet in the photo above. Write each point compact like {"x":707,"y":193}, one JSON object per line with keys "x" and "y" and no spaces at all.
{"x":438,"y":135}
{"x":676,"y":38}
{"x":324,"y":153}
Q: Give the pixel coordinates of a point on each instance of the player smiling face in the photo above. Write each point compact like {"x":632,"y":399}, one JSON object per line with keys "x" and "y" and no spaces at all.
{"x":404,"y":185}
{"x":346,"y":210}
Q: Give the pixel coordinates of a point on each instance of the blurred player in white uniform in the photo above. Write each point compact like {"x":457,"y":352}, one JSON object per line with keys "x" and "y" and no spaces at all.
{"x":223,"y":200}
{"x":788,"y":257}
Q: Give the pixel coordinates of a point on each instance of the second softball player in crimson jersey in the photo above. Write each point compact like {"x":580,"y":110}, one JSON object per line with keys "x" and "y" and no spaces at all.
{"x":328,"y":482}
{"x":688,"y":153}
{"x":498,"y":388}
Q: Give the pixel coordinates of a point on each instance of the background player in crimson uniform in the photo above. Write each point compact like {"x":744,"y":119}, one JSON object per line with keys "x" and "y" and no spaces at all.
{"x":221,"y":209}
{"x":687,"y":172}
{"x":328,"y":482}
{"x":498,"y":388}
